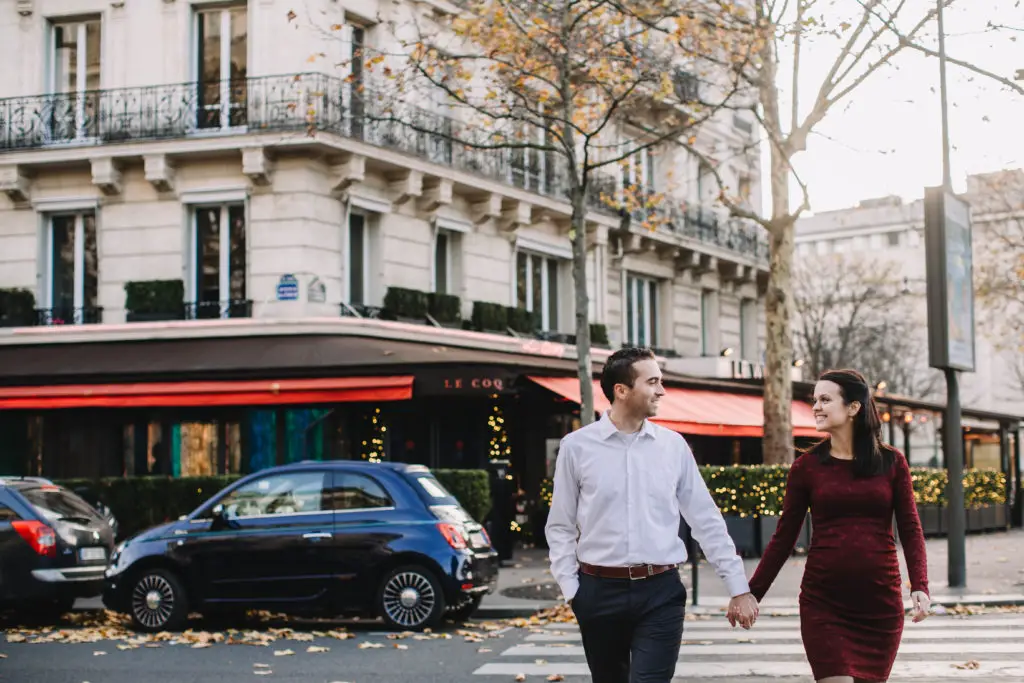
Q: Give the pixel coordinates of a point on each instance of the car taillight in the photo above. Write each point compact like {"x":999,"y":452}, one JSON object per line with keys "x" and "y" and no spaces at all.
{"x":452,"y":535}
{"x":487,"y":536}
{"x":42,"y":538}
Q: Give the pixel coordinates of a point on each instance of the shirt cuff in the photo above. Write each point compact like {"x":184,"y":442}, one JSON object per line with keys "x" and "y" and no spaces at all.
{"x":569,"y":588}
{"x":737,"y":585}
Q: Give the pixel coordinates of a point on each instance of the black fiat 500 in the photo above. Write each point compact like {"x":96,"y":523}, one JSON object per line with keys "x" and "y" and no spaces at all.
{"x":312,"y":538}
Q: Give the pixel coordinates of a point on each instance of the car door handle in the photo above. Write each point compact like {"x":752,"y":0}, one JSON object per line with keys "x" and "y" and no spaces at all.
{"x":318,"y":534}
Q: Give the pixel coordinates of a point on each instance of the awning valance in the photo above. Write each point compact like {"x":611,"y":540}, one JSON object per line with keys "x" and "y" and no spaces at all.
{"x":199,"y":394}
{"x":697,"y":411}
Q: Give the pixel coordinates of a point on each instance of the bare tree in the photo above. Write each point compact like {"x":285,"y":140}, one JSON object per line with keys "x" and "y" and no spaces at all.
{"x":567,"y":95}
{"x":853,"y":312}
{"x":866,"y":37}
{"x":997,"y":208}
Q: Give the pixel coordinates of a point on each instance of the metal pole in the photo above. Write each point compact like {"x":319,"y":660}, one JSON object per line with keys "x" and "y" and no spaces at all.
{"x":954,"y":444}
{"x":947,"y":177}
{"x":951,"y":425}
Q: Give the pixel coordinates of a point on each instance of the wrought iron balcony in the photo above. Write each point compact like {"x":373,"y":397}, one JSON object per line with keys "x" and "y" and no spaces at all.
{"x":69,"y":315}
{"x":301,"y":104}
{"x":212,"y":310}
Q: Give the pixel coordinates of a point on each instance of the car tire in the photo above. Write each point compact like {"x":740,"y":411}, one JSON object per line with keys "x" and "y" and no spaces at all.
{"x":466,"y":610}
{"x":157,"y":601}
{"x":410,"y":598}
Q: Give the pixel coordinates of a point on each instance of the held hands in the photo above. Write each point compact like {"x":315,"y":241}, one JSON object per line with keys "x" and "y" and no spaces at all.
{"x":921,"y":605}
{"x":743,"y":610}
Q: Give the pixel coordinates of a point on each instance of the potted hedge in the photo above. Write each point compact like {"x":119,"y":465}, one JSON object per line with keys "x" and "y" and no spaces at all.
{"x":405,"y":305}
{"x":17,"y":308}
{"x":523,"y":321}
{"x":154,"y":300}
{"x":490,"y":317}
{"x":446,"y":309}
{"x":599,"y":335}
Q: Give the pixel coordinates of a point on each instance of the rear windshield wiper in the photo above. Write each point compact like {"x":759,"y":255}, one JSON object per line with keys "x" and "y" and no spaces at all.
{"x":70,"y":518}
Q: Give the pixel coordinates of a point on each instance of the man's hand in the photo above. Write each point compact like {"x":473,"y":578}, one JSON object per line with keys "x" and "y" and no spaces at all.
{"x":922,"y":603}
{"x":743,"y":610}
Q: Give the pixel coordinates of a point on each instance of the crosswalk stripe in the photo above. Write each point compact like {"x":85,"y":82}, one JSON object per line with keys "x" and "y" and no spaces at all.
{"x":935,"y":622}
{"x":768,"y":649}
{"x":902,"y":670}
{"x":756,"y":634}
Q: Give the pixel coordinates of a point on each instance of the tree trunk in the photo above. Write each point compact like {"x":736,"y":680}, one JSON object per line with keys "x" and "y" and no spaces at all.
{"x":584,"y":365}
{"x":777,"y":445}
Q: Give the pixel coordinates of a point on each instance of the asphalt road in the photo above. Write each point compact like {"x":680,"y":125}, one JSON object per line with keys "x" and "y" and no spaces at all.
{"x":369,"y":655}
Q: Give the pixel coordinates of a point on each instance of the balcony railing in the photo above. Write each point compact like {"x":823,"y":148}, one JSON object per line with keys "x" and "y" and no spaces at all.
{"x":211,"y":310}
{"x":68,"y":315}
{"x":301,"y":104}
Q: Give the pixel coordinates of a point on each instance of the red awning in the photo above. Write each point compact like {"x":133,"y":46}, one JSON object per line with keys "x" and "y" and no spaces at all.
{"x":697,"y":411}
{"x":185,"y":394}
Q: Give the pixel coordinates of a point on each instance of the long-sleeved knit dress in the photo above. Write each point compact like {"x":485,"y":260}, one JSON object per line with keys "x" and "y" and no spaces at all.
{"x":851,"y":604}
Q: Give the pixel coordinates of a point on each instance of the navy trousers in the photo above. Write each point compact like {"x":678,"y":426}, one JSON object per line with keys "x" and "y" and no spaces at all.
{"x":631,"y":629}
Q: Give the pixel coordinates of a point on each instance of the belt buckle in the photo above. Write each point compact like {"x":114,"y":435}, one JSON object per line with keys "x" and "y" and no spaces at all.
{"x":649,"y":569}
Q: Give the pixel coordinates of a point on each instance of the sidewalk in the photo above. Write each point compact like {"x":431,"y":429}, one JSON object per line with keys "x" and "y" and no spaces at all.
{"x":993,"y":578}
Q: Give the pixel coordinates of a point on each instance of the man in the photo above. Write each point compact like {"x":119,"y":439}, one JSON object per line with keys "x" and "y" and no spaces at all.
{"x":620,"y":485}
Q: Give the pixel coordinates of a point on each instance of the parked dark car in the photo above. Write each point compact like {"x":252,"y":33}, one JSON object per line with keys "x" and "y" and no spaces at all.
{"x":312,"y":538}
{"x":93,"y":499}
{"x":54,"y":547}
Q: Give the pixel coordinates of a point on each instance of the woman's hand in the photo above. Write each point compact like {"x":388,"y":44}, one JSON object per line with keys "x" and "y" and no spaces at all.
{"x":921,"y":605}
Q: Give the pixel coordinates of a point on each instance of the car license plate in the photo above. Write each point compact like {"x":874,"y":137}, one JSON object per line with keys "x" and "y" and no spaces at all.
{"x":476,"y":539}
{"x":92,"y":554}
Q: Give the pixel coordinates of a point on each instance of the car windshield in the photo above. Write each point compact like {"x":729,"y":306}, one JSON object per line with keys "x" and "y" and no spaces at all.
{"x":54,"y":503}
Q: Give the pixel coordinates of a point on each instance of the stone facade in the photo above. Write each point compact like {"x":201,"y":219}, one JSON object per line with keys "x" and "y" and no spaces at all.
{"x":158,"y":189}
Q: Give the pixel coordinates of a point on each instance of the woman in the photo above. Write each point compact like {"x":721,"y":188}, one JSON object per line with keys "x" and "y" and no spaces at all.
{"x":851,"y":604}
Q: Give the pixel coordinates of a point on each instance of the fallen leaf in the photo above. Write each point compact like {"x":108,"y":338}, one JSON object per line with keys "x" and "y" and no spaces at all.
{"x":970,"y":664}
{"x":484,"y":649}
{"x":316,"y":649}
{"x":399,"y":646}
{"x":98,"y":653}
{"x":520,"y":677}
{"x":370,"y":646}
{"x":556,"y":677}
{"x":283,"y":653}
{"x":3,"y":656}
{"x":261,"y":666}
{"x":540,"y":662}
{"x":199,"y":646}
{"x":262,"y":672}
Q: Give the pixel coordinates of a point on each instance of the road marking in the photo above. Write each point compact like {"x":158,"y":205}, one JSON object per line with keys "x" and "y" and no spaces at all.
{"x":902,"y":670}
{"x":756,"y":634}
{"x":769,"y":649}
{"x":791,"y":622}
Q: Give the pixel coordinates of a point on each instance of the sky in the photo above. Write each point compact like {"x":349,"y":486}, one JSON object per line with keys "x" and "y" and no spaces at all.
{"x":886,"y":139}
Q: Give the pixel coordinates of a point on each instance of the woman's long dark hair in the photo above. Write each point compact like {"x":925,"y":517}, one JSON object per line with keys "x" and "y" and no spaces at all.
{"x":871,"y":457}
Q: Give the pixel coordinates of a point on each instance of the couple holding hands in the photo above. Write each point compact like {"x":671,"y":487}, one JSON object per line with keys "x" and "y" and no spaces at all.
{"x":622,"y":482}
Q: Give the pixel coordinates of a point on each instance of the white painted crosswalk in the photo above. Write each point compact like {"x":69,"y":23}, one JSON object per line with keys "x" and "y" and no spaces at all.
{"x":988,"y":648}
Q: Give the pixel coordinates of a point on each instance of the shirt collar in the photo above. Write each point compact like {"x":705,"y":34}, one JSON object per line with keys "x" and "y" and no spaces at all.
{"x":607,"y":427}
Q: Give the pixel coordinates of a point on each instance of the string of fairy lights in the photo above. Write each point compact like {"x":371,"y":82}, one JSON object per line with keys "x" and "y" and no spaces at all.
{"x":498,"y":448}
{"x":373,"y":447}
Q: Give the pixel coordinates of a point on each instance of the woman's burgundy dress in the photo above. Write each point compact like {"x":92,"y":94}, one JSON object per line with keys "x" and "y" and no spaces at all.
{"x":851,"y":603}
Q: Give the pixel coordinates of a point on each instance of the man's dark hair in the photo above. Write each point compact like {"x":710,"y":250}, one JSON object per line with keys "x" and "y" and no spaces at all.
{"x":618,"y":369}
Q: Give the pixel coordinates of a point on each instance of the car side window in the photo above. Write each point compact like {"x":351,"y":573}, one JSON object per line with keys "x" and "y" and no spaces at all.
{"x":358,"y":492}
{"x":278,"y":494}
{"x":7,"y":514}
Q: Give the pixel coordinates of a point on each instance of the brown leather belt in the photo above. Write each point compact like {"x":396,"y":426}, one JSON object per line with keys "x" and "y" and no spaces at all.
{"x":636,"y":572}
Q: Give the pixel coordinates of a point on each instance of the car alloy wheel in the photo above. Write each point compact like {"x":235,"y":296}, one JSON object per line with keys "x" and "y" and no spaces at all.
{"x":158,"y":601}
{"x":411,"y":598}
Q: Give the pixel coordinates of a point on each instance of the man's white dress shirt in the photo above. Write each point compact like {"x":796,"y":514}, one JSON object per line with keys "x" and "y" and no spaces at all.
{"x":617,"y":499}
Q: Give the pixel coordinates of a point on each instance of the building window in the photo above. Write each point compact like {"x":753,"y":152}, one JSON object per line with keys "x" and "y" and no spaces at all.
{"x":638,"y":172}
{"x":537,"y":287}
{"x":72,"y":270}
{"x":748,"y":330}
{"x":443,"y":262}
{"x":641,"y":311}
{"x":709,"y":315}
{"x":532,"y":168}
{"x":75,"y":73}
{"x":219,"y":262}
{"x":355,"y":58}
{"x":222,"y":58}
{"x":358,"y":258}
{"x":894,"y":239}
